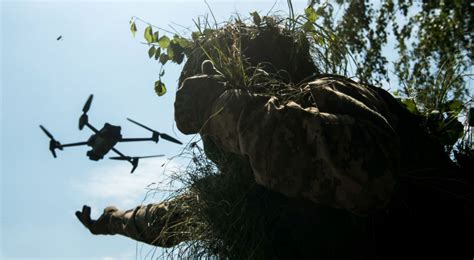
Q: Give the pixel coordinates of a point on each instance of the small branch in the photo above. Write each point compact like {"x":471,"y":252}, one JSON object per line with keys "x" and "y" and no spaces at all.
{"x":143,"y":21}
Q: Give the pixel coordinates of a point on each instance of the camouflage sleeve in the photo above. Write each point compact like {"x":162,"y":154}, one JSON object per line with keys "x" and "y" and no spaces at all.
{"x":160,"y":224}
{"x":341,"y":152}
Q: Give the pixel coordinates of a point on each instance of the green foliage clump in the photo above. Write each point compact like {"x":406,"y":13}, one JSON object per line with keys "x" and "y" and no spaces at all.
{"x":305,"y":49}
{"x":433,"y":41}
{"x":432,"y":71}
{"x":163,"y":49}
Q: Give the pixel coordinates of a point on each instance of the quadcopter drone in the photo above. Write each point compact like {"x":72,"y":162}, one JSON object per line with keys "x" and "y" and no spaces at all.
{"x":104,"y":140}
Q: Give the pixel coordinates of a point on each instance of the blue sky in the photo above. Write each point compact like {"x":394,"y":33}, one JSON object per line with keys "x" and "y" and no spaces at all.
{"x":44,"y":81}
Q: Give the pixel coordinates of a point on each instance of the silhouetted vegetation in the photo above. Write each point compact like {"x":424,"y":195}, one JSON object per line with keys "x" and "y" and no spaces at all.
{"x":233,"y":217}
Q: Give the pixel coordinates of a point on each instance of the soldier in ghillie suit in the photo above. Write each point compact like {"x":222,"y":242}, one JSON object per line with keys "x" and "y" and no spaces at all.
{"x":335,"y":160}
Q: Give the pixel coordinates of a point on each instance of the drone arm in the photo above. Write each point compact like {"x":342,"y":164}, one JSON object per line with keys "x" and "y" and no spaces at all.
{"x":91,"y":127}
{"x":118,"y":152}
{"x":156,"y":135}
{"x":133,"y":161}
{"x":73,"y":144}
{"x":137,"y":139}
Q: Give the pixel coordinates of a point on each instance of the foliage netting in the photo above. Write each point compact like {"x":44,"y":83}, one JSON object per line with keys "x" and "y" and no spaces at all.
{"x":228,"y":214}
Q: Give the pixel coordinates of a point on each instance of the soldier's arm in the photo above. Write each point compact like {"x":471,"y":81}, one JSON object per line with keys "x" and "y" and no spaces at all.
{"x":160,"y":224}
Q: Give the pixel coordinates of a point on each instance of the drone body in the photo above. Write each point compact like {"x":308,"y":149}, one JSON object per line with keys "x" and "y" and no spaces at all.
{"x":105,"y":139}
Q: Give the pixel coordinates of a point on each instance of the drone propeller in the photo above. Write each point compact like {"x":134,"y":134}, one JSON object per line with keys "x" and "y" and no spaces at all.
{"x":46,"y":132}
{"x":134,"y":160}
{"x":83,"y":120}
{"x":127,"y":158}
{"x":156,"y":134}
{"x":87,"y":105}
{"x":53,"y":144}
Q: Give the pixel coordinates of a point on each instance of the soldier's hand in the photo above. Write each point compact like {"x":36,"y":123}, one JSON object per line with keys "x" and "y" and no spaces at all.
{"x":99,"y":226}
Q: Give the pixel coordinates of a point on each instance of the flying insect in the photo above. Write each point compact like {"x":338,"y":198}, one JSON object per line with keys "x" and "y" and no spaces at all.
{"x":104,"y":140}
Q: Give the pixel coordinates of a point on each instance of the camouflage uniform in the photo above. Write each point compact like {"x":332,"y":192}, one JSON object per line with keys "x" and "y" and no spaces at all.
{"x":341,"y":152}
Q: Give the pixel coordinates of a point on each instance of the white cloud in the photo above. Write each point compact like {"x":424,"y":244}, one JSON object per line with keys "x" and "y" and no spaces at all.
{"x":114,"y":185}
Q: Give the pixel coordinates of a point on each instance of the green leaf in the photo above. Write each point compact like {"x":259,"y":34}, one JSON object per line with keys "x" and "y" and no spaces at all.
{"x":177,"y":52}
{"x":181,"y":41}
{"x":160,"y":88}
{"x":162,"y":72}
{"x":256,"y":18}
{"x":452,"y":130}
{"x":454,"y":105}
{"x":319,"y":39}
{"x":157,"y":53}
{"x":195,"y":35}
{"x":170,"y":53}
{"x":164,"y":58}
{"x":410,"y":105}
{"x":133,"y":28}
{"x":208,"y":32}
{"x":164,"y":42}
{"x":151,"y":51}
{"x":308,"y":27}
{"x":149,"y":34}
{"x":178,"y":57}
{"x":155,"y":37}
{"x":311,"y":14}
